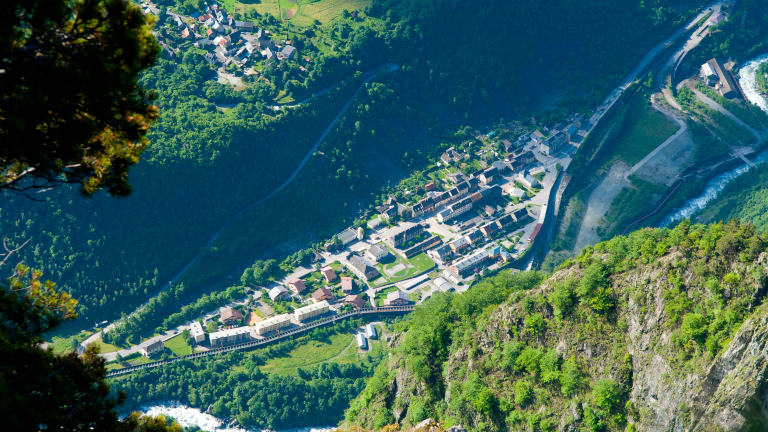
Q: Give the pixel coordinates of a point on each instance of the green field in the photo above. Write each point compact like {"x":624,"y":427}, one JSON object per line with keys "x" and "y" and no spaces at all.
{"x":62,"y":341}
{"x":178,"y":346}
{"x":644,"y":129}
{"x":310,"y":353}
{"x":422,"y":262}
{"x":107,"y":348}
{"x":308,"y":11}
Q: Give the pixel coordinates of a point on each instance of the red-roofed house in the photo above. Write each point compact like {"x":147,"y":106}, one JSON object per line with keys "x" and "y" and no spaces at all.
{"x":297,"y":285}
{"x":347,"y":284}
{"x":328,"y":274}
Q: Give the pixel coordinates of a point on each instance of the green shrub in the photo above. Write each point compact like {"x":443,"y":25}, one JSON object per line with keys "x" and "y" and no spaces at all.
{"x":529,"y":360}
{"x":606,"y":394}
{"x":523,"y":392}
{"x":695,"y":327}
{"x":570,"y":379}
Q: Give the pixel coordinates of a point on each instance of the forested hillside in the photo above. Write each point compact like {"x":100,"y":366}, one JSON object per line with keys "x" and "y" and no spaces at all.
{"x":205,"y":163}
{"x":658,"y":330}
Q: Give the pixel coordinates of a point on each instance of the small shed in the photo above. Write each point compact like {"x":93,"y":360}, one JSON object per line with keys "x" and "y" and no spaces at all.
{"x":362,"y":342}
{"x":370,"y":331}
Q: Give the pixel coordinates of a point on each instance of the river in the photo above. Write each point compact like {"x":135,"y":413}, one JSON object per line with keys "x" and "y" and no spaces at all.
{"x":187,"y":416}
{"x":716,"y":185}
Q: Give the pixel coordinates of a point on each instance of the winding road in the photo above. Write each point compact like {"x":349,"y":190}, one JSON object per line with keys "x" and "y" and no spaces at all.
{"x":390,"y":67}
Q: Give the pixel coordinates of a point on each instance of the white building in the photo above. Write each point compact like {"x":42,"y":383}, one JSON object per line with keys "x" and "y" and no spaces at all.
{"x":370,"y":331}
{"x":473,"y":261}
{"x":373,"y":223}
{"x":362,"y":342}
{"x":311,"y":311}
{"x":272,"y":324}
{"x":527,"y":180}
{"x":278,"y":293}
{"x":377,"y":253}
{"x":230,"y":337}
{"x":150,"y":349}
{"x":196,"y":331}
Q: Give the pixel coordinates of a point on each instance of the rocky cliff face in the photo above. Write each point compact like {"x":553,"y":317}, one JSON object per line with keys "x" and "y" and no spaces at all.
{"x":662,"y":331}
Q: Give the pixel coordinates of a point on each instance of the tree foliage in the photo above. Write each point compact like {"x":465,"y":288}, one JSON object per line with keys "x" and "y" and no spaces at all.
{"x":71,"y":110}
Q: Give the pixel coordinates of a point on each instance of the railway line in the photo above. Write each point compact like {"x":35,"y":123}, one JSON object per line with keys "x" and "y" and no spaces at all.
{"x":261,"y":342}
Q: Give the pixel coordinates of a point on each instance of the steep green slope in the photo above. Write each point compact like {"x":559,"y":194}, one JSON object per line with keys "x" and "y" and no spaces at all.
{"x":661,"y":330}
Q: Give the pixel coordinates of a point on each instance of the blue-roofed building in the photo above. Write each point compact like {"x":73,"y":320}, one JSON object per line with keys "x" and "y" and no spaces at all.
{"x":495,"y":251}
{"x":196,"y":15}
{"x":571,"y":132}
{"x":504,"y":255}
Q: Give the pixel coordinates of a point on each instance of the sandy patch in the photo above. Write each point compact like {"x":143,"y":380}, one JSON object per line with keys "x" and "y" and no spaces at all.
{"x":599,"y":202}
{"x":673,"y":159}
{"x":252,"y":319}
{"x":289,"y":13}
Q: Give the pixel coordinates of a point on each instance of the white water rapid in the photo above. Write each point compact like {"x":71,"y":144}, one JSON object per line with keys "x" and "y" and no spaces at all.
{"x":716,"y":185}
{"x":187,"y":416}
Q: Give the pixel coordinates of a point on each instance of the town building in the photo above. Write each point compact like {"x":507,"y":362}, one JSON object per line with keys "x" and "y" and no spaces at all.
{"x":279,"y":293}
{"x":230,"y":316}
{"x":554,"y":144}
{"x":440,"y":254}
{"x":489,"y":229}
{"x":572,"y":133}
{"x":362,"y":268}
{"x":488,"y":176}
{"x":347,"y":236}
{"x":370,"y":331}
{"x":527,"y":180}
{"x":311,"y":311}
{"x":397,"y":297}
{"x":297,"y":285}
{"x":272,"y":324}
{"x":196,"y":332}
{"x":520,"y":214}
{"x":467,"y":265}
{"x":328,"y":274}
{"x":459,"y":244}
{"x":322,"y":294}
{"x":505,"y":222}
{"x":474,"y":237}
{"x":347,"y":284}
{"x":377,"y":253}
{"x":373,"y":223}
{"x":455,"y":210}
{"x":230,"y":337}
{"x":723,"y":82}
{"x":354,"y":300}
{"x":717,"y":18}
{"x":151,"y":349}
{"x":404,"y":236}
{"x":442,"y":284}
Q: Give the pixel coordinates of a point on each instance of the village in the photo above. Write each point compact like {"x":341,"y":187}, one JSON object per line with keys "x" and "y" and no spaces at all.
{"x":233,"y":45}
{"x":464,"y":225}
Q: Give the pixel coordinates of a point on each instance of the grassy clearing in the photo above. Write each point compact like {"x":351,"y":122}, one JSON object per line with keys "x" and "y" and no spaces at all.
{"x":107,"y":348}
{"x":264,"y":7}
{"x":644,"y":130}
{"x":310,"y":353}
{"x":61,"y":342}
{"x":422,"y":262}
{"x":178,"y":346}
{"x":326,"y":10}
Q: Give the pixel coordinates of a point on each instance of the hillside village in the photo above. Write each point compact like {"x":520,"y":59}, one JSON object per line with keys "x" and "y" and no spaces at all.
{"x":463,"y":224}
{"x":231,"y":44}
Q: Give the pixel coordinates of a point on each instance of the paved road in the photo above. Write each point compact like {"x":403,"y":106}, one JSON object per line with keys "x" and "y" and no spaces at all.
{"x":614,"y":95}
{"x":389,"y":66}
